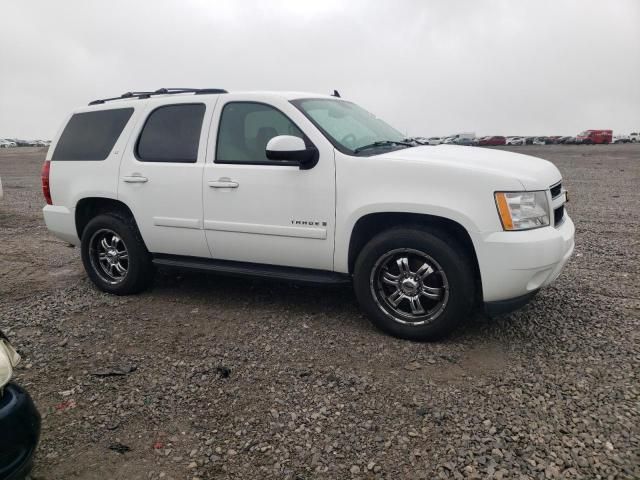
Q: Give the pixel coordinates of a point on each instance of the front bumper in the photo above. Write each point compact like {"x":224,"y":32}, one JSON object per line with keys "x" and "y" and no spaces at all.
{"x":19,"y":432}
{"x":503,"y":307}
{"x":516,"y":264}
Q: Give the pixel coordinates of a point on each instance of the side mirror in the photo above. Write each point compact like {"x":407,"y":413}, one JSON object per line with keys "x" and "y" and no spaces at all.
{"x":287,"y":148}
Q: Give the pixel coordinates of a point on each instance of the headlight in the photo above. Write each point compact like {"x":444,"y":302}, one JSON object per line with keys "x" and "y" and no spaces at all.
{"x":9,"y":358}
{"x":523,"y":210}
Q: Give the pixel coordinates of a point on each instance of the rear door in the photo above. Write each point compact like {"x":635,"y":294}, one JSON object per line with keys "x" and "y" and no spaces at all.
{"x":161,"y":175}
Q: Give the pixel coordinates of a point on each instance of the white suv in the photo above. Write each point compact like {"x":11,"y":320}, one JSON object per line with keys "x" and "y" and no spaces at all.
{"x":304,"y":187}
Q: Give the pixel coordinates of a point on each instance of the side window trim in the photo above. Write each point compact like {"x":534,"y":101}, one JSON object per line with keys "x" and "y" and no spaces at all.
{"x":306,"y":138}
{"x":146,"y":118}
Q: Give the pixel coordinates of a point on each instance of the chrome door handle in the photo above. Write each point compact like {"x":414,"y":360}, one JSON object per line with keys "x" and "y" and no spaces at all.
{"x":135,"y":179}
{"x":223,"y":184}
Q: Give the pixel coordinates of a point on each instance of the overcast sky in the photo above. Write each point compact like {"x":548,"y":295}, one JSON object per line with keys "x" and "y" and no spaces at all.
{"x":426,"y":67}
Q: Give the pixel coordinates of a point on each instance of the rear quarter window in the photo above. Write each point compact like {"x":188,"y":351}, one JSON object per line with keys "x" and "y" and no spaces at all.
{"x":90,"y":136}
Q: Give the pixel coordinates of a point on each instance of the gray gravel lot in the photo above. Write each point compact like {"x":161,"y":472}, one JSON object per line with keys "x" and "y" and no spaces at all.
{"x":211,"y":377}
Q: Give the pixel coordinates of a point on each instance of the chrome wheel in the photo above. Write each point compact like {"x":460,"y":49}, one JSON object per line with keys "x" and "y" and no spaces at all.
{"x":409,"y":286}
{"x":109,"y":256}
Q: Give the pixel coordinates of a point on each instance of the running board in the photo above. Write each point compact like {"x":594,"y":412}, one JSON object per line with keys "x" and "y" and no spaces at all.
{"x":258,"y":270}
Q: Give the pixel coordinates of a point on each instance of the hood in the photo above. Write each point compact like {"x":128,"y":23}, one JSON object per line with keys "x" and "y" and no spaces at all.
{"x":532,"y":172}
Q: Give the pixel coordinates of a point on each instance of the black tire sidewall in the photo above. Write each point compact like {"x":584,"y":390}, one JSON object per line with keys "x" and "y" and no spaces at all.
{"x":140,"y":271}
{"x":451,"y":257}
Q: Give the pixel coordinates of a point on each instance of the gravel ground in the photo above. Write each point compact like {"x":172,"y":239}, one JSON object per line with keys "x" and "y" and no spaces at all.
{"x":209,"y":377}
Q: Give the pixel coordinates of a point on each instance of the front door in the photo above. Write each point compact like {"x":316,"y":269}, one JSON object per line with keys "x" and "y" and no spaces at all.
{"x":161,"y":176}
{"x":263,"y":211}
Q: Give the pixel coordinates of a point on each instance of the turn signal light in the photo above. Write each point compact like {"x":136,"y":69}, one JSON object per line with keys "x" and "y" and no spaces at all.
{"x":503,"y":210}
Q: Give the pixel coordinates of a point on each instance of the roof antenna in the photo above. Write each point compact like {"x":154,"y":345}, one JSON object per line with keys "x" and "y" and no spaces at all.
{"x":336,"y":94}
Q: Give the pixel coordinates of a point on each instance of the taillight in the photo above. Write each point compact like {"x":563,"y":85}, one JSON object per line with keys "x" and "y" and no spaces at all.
{"x":46,"y":167}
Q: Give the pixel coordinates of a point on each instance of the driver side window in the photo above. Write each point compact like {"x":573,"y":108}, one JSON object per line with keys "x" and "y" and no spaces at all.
{"x":246,"y":128}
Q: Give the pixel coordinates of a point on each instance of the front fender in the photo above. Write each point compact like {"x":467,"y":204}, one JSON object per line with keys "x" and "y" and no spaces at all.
{"x":451,"y":191}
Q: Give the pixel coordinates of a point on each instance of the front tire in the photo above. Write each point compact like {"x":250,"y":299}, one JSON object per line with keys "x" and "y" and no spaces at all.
{"x":414,"y":284}
{"x":115,"y":256}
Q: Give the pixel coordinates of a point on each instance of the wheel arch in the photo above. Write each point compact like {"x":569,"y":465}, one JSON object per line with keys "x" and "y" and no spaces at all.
{"x":89,"y":207}
{"x":372,"y":224}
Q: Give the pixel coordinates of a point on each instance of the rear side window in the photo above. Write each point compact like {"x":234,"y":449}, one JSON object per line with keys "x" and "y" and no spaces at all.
{"x":171,"y":134}
{"x":91,"y":135}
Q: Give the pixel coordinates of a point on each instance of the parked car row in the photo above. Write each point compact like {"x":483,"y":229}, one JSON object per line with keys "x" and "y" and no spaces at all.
{"x":553,"y":140}
{"x":13,"y":142}
{"x":588,"y":137}
{"x":458,"y":139}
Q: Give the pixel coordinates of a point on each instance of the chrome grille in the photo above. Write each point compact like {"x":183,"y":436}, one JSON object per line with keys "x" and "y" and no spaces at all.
{"x":557,"y":202}
{"x":558,"y":215}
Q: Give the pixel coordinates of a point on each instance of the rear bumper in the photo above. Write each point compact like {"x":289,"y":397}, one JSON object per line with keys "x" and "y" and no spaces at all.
{"x":61,"y":222}
{"x":19,"y":432}
{"x":515,"y":264}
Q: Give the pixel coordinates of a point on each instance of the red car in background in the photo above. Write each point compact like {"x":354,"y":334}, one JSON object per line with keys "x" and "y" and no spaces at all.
{"x":591,"y":137}
{"x":496,"y":140}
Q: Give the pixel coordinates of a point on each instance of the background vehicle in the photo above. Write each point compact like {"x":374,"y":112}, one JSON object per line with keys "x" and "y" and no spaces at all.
{"x":621,"y":139}
{"x":539,"y":141}
{"x":466,"y":138}
{"x":514,"y":141}
{"x":495,"y":140}
{"x":634,"y":137}
{"x":172,"y":178}
{"x":592,"y":137}
{"x":7,"y":144}
{"x":434,"y":140}
{"x":463,"y":141}
{"x":19,"y":419}
{"x":468,"y":135}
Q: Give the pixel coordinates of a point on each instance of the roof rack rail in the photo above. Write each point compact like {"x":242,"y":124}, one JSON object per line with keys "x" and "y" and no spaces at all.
{"x":160,"y":91}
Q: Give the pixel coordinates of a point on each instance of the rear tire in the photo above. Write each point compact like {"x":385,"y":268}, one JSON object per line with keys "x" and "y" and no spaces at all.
{"x":415,"y":284}
{"x":115,"y":256}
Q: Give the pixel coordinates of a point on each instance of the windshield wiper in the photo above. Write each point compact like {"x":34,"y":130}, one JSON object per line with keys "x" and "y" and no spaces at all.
{"x":419,"y":141}
{"x":382,"y":143}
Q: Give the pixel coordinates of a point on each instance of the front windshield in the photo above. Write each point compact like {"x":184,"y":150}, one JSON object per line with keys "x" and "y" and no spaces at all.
{"x":349,"y":126}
